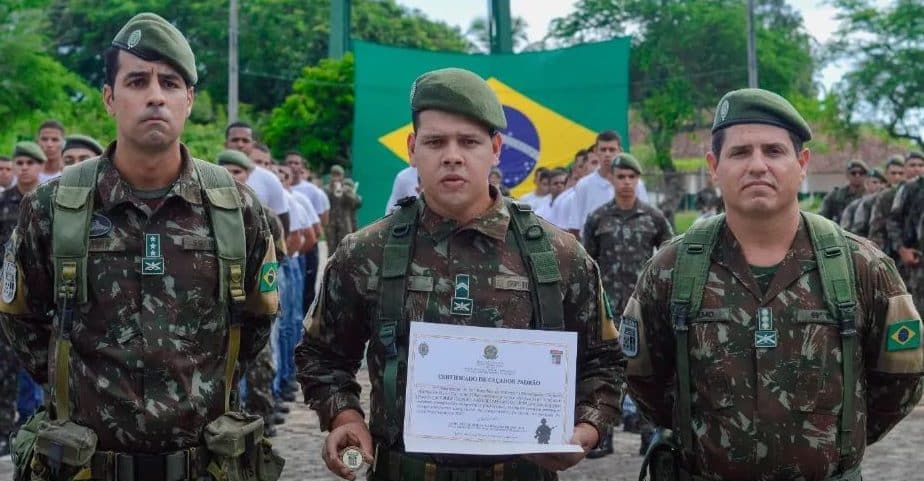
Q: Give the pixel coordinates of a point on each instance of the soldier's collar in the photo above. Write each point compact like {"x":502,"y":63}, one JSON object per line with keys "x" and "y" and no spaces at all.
{"x":493,"y":223}
{"x":113,"y":190}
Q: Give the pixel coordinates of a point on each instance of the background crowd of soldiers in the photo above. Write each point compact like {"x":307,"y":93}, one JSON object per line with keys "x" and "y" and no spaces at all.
{"x":299,"y":203}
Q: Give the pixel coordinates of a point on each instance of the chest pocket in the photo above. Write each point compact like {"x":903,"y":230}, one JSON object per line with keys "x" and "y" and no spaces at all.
{"x":818,"y":387}
{"x":715,"y":354}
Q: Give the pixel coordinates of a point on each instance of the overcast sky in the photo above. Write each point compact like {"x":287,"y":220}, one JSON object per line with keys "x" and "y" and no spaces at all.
{"x":818,"y":17}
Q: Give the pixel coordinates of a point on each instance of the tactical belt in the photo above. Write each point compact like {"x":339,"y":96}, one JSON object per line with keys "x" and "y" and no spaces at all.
{"x":188,"y":464}
{"x":393,"y":465}
{"x":851,"y":475}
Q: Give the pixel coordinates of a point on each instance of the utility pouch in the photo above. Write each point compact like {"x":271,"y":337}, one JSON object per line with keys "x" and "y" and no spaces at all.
{"x":22,"y":446}
{"x":63,"y":450}
{"x":239,"y":451}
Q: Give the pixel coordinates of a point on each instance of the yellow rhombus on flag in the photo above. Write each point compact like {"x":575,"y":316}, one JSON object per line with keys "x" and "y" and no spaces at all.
{"x":529,"y":123}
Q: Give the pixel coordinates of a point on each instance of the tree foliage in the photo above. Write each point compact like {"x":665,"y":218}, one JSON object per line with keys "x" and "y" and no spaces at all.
{"x":885,"y":47}
{"x":687,"y":54}
{"x":317,"y":117}
{"x":276,"y":37}
{"x":479,"y":34}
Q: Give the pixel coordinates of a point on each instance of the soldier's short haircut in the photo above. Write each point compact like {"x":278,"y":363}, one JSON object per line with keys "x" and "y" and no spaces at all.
{"x":718,"y":141}
{"x":558,"y":171}
{"x":4,"y":158}
{"x":238,"y":125}
{"x":608,"y":136}
{"x":295,"y":152}
{"x":261,"y":147}
{"x":581,"y":153}
{"x":111,"y":65}
{"x":51,"y":124}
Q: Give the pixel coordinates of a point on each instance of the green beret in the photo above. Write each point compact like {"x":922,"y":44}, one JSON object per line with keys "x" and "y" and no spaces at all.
{"x":897,"y":160}
{"x":235,"y":157}
{"x":758,"y":106}
{"x":82,"y":141}
{"x":150,"y":37}
{"x":336,"y":169}
{"x":458,"y":91}
{"x":29,"y":149}
{"x":627,"y":161}
{"x":879,"y":175}
{"x":857,"y":164}
{"x":914,"y":154}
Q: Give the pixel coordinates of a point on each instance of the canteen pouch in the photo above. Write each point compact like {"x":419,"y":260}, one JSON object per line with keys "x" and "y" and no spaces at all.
{"x":63,"y":451}
{"x":22,"y":446}
{"x":239,"y":451}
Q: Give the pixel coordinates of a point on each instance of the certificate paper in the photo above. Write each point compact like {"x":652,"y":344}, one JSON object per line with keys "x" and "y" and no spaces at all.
{"x":477,"y":390}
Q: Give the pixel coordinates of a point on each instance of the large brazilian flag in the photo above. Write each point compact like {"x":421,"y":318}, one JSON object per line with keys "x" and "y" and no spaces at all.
{"x":555,"y":101}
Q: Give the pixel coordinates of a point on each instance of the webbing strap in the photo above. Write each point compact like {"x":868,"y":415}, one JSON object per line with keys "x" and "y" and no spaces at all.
{"x":691,"y":269}
{"x":392,"y":324}
{"x":835,"y":267}
{"x":227,"y":220}
{"x":70,"y":238}
{"x":542,"y":266}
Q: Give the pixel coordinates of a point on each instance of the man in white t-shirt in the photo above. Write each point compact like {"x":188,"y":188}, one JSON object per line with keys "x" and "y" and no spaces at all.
{"x":557,"y":180}
{"x":405,"y":185}
{"x":321,"y":207}
{"x":239,"y":136}
{"x":595,"y":189}
{"x":541,"y":194}
{"x":51,"y":139}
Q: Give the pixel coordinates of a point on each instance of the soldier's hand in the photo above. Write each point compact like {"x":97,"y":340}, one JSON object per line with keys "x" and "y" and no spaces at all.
{"x":909,"y":256}
{"x":585,"y":435}
{"x":347,"y":429}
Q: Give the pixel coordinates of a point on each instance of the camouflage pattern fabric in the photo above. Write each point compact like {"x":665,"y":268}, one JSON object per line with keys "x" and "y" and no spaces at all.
{"x":148,"y":355}
{"x":901,"y":230}
{"x":621,"y":241}
{"x":862,"y":216}
{"x":10,"y":199}
{"x":879,"y":214}
{"x":847,"y":216}
{"x":772,"y":414}
{"x":485,"y":249}
{"x":260,"y":375}
{"x":708,"y":199}
{"x":8,"y":368}
{"x":341,"y":218}
{"x":834,"y":203}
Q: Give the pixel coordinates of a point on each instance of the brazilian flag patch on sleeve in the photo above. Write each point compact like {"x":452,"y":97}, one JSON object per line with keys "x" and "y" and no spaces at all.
{"x":269,"y":273}
{"x":904,"y":335}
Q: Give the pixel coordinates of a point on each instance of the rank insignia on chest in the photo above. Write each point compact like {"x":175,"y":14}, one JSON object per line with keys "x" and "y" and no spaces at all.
{"x":765,"y":337}
{"x":152,"y":266}
{"x":462,"y":304}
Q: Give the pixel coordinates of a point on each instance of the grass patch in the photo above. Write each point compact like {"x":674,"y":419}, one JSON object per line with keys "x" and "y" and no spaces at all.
{"x":690,"y":164}
{"x":684,"y":219}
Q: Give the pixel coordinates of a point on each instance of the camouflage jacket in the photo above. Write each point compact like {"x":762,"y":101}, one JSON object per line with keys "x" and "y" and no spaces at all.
{"x":878,"y":215}
{"x":621,"y":241}
{"x":772,"y":414}
{"x":906,"y":212}
{"x":343,"y":318}
{"x":832,"y":206}
{"x":708,"y":199}
{"x":10,"y":200}
{"x":148,"y":356}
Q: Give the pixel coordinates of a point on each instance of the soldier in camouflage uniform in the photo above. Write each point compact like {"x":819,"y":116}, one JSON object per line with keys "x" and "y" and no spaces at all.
{"x":708,"y":200}
{"x":464,"y":238}
{"x":871,"y":213}
{"x":902,"y":226}
{"x":764,"y":381}
{"x":343,"y":204}
{"x":853,"y":217}
{"x":147,"y":353}
{"x":832,"y":206}
{"x":621,"y":236}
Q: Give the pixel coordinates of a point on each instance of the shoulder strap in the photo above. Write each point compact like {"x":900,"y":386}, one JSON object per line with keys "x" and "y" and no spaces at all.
{"x":541,"y":263}
{"x":396,"y":260}
{"x":688,"y":279}
{"x":835,"y":265}
{"x":73,"y":206}
{"x":224,"y":207}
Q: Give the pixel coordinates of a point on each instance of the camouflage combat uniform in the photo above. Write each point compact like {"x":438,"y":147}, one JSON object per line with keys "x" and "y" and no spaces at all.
{"x":772,"y":414}
{"x":878,"y":215}
{"x":863,"y":214}
{"x":343,"y":205}
{"x":901,"y":230}
{"x":485,"y":249}
{"x":832,"y":206}
{"x":708,"y":199}
{"x":621,"y":241}
{"x":148,"y":353}
{"x":9,"y":215}
{"x":847,"y":221}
